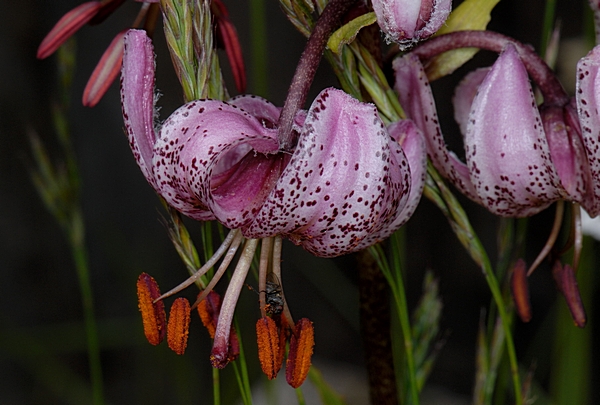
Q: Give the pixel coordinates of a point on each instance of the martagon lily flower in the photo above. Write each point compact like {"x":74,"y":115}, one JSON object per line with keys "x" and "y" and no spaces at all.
{"x":520,"y":158}
{"x":348,"y":183}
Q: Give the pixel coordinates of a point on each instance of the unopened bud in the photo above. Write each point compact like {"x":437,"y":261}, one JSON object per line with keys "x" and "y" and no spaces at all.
{"x":67,"y":26}
{"x":567,"y":285}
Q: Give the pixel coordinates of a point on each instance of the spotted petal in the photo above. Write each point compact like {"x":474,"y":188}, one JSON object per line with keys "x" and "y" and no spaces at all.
{"x":417,"y":100}
{"x":506,"y":148}
{"x":464,"y":94}
{"x":188,"y":161}
{"x":346,"y":180}
{"x":137,"y":98}
{"x":588,"y":100}
{"x":411,"y":139}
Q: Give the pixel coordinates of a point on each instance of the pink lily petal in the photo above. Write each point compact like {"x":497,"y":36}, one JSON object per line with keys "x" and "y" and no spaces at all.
{"x":409,"y":21}
{"x":506,"y":148}
{"x":411,"y":139}
{"x":67,"y":26}
{"x":105,"y":72}
{"x":187,"y":158}
{"x":346,"y":180}
{"x":567,"y":150}
{"x":417,"y":100}
{"x":464,"y":94}
{"x":588,"y":99}
{"x":137,"y":99}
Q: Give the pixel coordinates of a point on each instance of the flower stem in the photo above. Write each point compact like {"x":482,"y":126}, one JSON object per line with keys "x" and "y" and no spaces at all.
{"x":328,"y":21}
{"x":553,"y":92}
{"x":375,"y":330}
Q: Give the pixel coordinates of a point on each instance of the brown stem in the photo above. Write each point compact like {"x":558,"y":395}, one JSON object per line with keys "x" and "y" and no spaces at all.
{"x":307,"y":67}
{"x":375,"y":330}
{"x":540,"y":72}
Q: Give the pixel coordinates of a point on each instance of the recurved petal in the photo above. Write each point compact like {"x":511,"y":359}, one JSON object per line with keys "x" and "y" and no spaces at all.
{"x":265,"y":111}
{"x":417,"y":100}
{"x":464,"y":94}
{"x":588,"y":100}
{"x":411,"y":140}
{"x":214,"y":156}
{"x":506,"y":148}
{"x":568,"y":154}
{"x":137,"y":98}
{"x":345,"y":180}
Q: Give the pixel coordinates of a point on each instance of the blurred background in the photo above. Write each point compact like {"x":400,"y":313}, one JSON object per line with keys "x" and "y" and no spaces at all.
{"x":43,"y":357}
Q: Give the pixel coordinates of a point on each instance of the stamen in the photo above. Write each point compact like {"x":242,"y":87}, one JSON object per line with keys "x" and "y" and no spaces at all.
{"x":153,"y":313}
{"x":520,"y":290}
{"x":179,"y":325}
{"x":284,"y":333}
{"x":219,"y":355}
{"x":207,"y":266}
{"x":276,"y":262}
{"x":558,"y":217}
{"x":263,"y":269}
{"x":141,"y":15}
{"x":301,"y":350}
{"x":268,"y":346}
{"x":235,"y":244}
{"x":208,"y":309}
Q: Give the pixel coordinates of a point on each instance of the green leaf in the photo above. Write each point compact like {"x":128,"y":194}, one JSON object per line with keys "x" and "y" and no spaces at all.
{"x":348,"y":32}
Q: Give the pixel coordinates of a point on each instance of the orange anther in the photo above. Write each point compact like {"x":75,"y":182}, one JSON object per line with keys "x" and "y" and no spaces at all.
{"x":301,"y":350}
{"x":520,"y":290}
{"x":179,"y":325}
{"x":268,"y":346}
{"x":209,"y":309}
{"x":153,"y":314}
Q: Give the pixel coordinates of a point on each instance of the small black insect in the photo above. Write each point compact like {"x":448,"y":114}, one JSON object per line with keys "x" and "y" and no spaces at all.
{"x":273,"y":295}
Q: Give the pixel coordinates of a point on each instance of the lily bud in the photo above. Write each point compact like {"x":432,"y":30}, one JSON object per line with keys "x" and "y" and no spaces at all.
{"x":564,"y":276}
{"x":409,"y":21}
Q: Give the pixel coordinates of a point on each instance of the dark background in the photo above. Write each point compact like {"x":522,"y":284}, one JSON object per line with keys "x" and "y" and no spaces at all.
{"x":42,"y":341}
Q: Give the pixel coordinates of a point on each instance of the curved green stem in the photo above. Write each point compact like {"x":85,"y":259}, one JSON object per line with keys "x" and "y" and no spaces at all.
{"x":396,"y":283}
{"x":439,"y":194}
